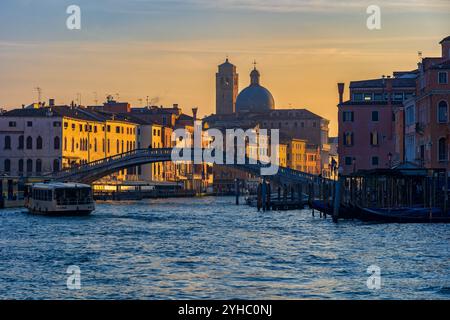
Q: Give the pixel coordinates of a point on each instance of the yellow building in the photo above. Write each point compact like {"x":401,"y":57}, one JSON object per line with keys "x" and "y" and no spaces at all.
{"x":89,"y":136}
{"x":283,"y":155}
{"x":296,"y":154}
{"x":313,"y":161}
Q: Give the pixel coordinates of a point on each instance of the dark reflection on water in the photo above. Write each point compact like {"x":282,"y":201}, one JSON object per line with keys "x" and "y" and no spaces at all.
{"x":209,"y":248}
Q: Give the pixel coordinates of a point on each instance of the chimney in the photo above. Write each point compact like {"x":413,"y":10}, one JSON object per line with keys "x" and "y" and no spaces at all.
{"x":341,"y":88}
{"x":194,"y":113}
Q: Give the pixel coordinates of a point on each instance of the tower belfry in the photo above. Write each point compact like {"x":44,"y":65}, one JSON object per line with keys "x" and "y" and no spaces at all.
{"x":227,"y":86}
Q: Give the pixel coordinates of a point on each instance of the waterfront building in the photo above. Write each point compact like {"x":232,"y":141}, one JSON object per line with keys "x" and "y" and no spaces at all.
{"x":367,"y":121}
{"x":392,"y":120}
{"x":36,"y":142}
{"x":295,"y":153}
{"x":423,"y":122}
{"x":313,"y":160}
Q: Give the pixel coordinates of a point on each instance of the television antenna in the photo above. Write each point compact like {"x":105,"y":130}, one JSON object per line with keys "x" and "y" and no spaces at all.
{"x":39,"y":91}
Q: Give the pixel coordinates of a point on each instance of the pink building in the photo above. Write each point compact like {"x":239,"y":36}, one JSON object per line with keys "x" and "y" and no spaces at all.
{"x":367,"y":121}
{"x":426,"y":133}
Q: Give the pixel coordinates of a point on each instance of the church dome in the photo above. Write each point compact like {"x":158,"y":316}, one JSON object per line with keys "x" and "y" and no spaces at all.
{"x":255,"y":98}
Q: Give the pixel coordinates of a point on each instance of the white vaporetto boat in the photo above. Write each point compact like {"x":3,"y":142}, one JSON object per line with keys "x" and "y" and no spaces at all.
{"x":60,"y":199}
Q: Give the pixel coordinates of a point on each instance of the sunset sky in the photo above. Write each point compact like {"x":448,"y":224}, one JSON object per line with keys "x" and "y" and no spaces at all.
{"x":169,"y":49}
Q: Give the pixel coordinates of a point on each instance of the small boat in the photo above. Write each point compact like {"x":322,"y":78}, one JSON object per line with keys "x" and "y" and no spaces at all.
{"x":345,"y":212}
{"x":72,"y":199}
{"x":405,"y":215}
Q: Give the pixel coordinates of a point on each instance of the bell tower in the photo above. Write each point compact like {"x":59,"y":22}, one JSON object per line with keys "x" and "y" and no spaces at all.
{"x":227,"y":86}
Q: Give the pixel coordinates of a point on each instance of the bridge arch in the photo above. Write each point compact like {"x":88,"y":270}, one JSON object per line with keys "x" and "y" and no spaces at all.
{"x":93,"y":171}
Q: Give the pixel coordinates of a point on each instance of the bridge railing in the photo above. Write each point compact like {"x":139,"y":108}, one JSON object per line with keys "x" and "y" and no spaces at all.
{"x":114,"y":158}
{"x":161,"y":152}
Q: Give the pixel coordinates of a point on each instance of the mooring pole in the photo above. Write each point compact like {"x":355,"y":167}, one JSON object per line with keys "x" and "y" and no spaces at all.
{"x":264,"y":194}
{"x":337,"y":197}
{"x":445,"y":191}
{"x":237,"y":191}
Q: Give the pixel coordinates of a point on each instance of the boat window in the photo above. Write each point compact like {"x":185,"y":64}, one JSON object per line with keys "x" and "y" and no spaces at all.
{"x":73,"y":196}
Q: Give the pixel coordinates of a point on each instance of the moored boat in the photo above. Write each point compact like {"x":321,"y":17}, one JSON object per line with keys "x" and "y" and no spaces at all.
{"x":60,"y":199}
{"x":405,"y":215}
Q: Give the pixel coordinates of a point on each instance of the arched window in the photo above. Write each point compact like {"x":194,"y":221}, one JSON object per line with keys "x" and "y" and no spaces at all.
{"x":20,"y":166}
{"x":443,"y":112}
{"x":81,"y":144}
{"x":39,"y":143}
{"x":57,"y":143}
{"x":29,"y":143}
{"x":442,"y":146}
{"x":73,"y":145}
{"x":38,"y":166}
{"x":7,"y":165}
{"x":29,"y":166}
{"x":7,"y":143}
{"x":65,"y":143}
{"x":21,"y":142}
{"x":117,"y":146}
{"x":95,"y":144}
{"x":55,"y":165}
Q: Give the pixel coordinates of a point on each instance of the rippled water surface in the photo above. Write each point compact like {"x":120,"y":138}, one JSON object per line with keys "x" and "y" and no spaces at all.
{"x":209,"y":248}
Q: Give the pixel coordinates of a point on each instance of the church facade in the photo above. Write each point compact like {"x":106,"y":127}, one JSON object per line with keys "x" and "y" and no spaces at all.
{"x":255,"y":107}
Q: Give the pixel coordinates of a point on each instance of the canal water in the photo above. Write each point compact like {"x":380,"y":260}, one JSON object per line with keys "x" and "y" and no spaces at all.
{"x":209,"y":248}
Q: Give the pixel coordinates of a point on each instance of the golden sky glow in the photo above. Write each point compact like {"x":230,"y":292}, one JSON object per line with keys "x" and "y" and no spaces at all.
{"x":301,"y":55}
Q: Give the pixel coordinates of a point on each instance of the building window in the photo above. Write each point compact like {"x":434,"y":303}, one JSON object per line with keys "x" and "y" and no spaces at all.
{"x":7,"y":143}
{"x":375,"y":116}
{"x":29,"y":166}
{"x":57,"y":124}
{"x":29,"y":123}
{"x":57,"y":143}
{"x":7,"y":165}
{"x":398,"y":96}
{"x":378,"y":97}
{"x":21,"y":142}
{"x":443,"y":77}
{"x":55,"y":165}
{"x":21,"y":166}
{"x":348,"y":161}
{"x":374,"y":138}
{"x":358,"y":97}
{"x":29,"y":143}
{"x":39,"y":143}
{"x":12,"y":124}
{"x":410,"y":116}
{"x":95,"y":144}
{"x":38,"y":166}
{"x":368,"y":97}
{"x":442,"y":146}
{"x":348,"y":139}
{"x":443,"y":112}
{"x":349,"y":116}
{"x":375,"y":161}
